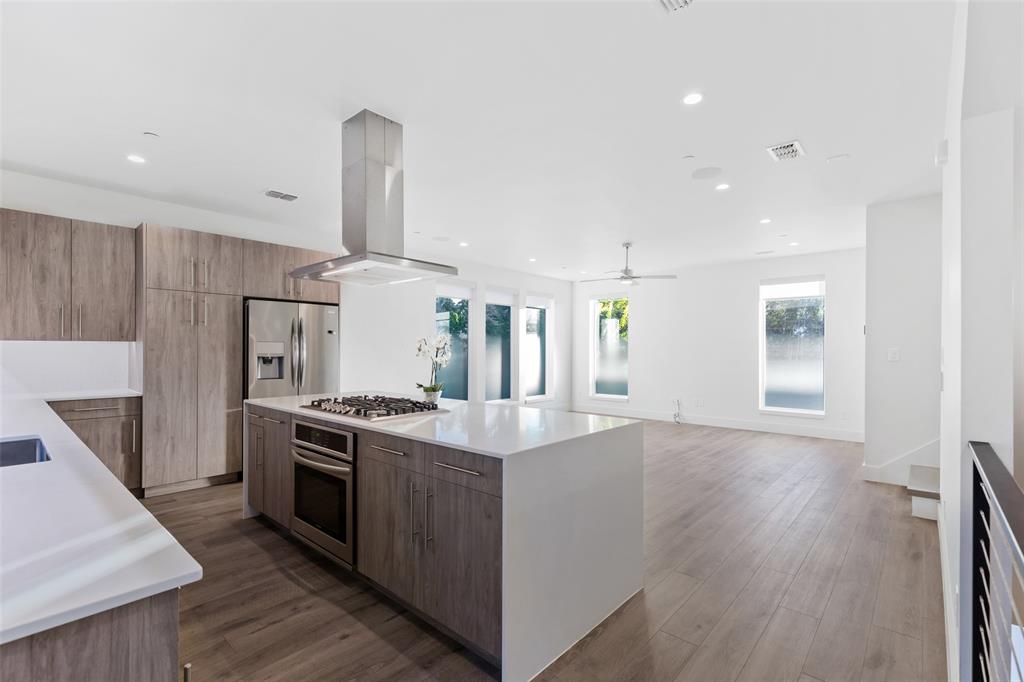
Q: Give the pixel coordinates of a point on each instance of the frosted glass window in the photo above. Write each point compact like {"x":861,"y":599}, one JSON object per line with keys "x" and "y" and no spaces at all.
{"x":453,"y":317}
{"x":534,"y":352}
{"x":793,"y":346}
{"x":611,"y":346}
{"x":498,"y":352}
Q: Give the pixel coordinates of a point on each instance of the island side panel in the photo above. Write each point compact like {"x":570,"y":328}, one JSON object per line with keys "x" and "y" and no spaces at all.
{"x":248,"y":511}
{"x":573,"y":543}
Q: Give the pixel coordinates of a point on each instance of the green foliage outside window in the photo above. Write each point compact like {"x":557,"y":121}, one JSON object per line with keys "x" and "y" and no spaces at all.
{"x":614,"y":308}
{"x":795,"y":316}
{"x":458,"y":314}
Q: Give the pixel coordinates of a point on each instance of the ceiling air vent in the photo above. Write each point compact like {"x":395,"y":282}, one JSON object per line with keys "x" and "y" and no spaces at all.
{"x":673,"y":5}
{"x":786,"y":150}
{"x":283,"y":196}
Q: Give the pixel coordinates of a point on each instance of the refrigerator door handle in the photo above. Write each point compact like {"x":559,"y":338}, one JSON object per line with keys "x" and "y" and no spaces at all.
{"x":295,"y":353}
{"x":302,"y":354}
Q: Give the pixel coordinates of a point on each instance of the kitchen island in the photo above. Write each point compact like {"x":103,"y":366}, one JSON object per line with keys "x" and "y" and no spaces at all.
{"x":516,"y":530}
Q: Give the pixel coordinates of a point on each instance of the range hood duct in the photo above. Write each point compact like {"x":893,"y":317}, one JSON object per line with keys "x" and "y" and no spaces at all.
{"x":373,"y":230}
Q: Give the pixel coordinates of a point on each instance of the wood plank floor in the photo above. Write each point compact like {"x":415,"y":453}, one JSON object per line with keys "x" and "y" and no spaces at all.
{"x":767,"y":558}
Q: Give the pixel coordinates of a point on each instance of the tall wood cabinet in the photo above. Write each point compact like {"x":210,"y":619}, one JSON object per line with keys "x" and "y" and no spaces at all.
{"x":65,"y":279}
{"x":188,"y":260}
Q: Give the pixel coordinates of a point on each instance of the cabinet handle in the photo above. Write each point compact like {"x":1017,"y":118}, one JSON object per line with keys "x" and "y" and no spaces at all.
{"x":276,"y":421}
{"x":192,"y":272}
{"x":454,"y":468}
{"x":206,"y":274}
{"x":191,"y":311}
{"x":390,"y":452}
{"x":427,"y":537}
{"x":93,"y":409}
{"x":62,"y":320}
{"x":79,"y":320}
{"x":412,"y":514}
{"x":206,"y":313}
{"x":133,"y":436}
{"x":259,"y":450}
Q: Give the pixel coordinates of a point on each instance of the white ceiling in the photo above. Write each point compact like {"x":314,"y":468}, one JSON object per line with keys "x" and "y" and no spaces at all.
{"x":545,"y":130}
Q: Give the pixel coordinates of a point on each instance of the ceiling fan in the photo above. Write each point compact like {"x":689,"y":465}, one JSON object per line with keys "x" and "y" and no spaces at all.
{"x":626,"y":274}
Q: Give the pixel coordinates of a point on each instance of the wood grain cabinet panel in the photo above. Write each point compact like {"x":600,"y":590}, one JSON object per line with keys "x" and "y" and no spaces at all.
{"x":170,"y":376}
{"x":313,"y":290}
{"x":218,"y":264}
{"x":91,"y":408}
{"x":278,"y":488}
{"x":170,"y":258}
{"x":469,"y":469}
{"x":254,"y":462}
{"x":35,"y":276}
{"x":219,"y":428}
{"x":102,"y":282}
{"x":390,"y":520}
{"x":265,"y":269}
{"x":117,"y":442}
{"x":462,"y":566}
{"x":400,"y":452}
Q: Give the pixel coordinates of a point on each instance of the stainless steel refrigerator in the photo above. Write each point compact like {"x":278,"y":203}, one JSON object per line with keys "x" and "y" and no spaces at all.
{"x":292,"y":348}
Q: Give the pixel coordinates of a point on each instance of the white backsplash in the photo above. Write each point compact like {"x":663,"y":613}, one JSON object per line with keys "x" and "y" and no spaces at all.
{"x":37,"y":367}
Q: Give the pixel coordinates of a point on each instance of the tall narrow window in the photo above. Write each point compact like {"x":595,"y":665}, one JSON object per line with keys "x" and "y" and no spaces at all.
{"x":535,"y":352}
{"x":453,"y":317}
{"x":498,"y":334}
{"x":610,"y":352}
{"x":793,"y":346}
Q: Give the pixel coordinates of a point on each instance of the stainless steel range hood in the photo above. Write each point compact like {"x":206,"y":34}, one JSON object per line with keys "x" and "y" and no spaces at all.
{"x":373,"y":231}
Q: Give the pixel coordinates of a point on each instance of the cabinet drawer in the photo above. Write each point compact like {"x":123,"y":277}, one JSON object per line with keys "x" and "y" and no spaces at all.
{"x":464,"y":468}
{"x":399,"y":452}
{"x":70,"y":410}
{"x":272,"y":416}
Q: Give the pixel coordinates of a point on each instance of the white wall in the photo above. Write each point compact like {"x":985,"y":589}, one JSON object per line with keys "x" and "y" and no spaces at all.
{"x":696,"y":339}
{"x":380,"y":325}
{"x":904,"y":271}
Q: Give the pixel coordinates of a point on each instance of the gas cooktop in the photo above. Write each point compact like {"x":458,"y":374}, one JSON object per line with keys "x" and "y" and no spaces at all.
{"x":372,"y":407}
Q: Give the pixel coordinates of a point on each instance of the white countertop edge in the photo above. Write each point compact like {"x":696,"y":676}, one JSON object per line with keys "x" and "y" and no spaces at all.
{"x":29,"y":628}
{"x":98,"y":394}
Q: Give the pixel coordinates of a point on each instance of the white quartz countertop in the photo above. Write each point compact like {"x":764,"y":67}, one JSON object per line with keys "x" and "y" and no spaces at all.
{"x":73,"y":540}
{"x":495,"y":429}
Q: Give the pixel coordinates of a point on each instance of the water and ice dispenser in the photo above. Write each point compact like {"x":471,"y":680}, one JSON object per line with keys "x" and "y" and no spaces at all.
{"x":269,"y":360}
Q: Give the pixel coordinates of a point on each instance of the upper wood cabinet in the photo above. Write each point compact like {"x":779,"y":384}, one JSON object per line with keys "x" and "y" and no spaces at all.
{"x":102,"y":282}
{"x":188,"y":260}
{"x":35,"y":282}
{"x":267,"y":268}
{"x":169,"y":257}
{"x":219,"y":264}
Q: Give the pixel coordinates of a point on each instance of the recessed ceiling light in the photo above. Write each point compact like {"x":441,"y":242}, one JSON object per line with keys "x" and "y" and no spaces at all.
{"x":765,"y":221}
{"x":416,"y":232}
{"x":533,"y":260}
{"x":463,"y":243}
{"x":441,"y":239}
{"x":837,"y":157}
{"x":794,"y":243}
{"x":687,"y":157}
{"x":135,"y":158}
{"x":783,"y":235}
{"x":721,"y":187}
{"x":693,"y":98}
{"x":583,"y":272}
{"x":150,"y":133}
{"x":706,"y":173}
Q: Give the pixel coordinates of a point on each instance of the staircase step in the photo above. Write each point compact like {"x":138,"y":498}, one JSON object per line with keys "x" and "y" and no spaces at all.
{"x":924,"y":481}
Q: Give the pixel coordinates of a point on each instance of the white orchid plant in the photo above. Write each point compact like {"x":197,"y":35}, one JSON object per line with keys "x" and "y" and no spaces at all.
{"x":439,"y":351}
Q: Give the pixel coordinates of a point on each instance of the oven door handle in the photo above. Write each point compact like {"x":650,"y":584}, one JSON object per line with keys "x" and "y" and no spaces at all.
{"x":326,"y":468}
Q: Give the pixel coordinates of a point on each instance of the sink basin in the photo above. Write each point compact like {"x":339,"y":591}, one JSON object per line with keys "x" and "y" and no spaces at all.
{"x":24,"y":450}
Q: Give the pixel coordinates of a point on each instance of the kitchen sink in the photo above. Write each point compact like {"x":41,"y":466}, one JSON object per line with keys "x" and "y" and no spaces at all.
{"x":24,"y":450}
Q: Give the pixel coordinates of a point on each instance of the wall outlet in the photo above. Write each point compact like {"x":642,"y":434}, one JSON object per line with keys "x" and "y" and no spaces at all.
{"x":893,"y":354}
{"x":699,"y":402}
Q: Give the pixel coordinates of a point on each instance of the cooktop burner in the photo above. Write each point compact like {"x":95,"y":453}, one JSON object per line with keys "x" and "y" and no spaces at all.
{"x":372,"y":408}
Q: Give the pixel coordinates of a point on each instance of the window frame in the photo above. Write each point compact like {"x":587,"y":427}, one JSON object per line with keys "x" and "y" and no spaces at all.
{"x":592,"y":305}
{"x":468,"y":294}
{"x":762,"y":348}
{"x":546,"y":302}
{"x":509,"y":299}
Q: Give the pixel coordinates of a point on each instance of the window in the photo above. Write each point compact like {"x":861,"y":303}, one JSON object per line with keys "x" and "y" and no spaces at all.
{"x":610,"y":350}
{"x":453,"y":317}
{"x":498,"y":352}
{"x":535,"y":352}
{"x":793,"y":346}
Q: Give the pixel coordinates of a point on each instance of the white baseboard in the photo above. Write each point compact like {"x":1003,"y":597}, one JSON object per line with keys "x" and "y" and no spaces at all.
{"x":787,"y":428}
{"x":950,"y":602}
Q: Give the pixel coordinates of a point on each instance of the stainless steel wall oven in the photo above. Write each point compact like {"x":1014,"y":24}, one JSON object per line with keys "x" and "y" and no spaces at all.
{"x":324,"y":488}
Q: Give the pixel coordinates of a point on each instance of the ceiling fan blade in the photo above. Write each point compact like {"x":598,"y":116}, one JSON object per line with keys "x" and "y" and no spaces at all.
{"x":601,"y":279}
{"x":655,"y":277}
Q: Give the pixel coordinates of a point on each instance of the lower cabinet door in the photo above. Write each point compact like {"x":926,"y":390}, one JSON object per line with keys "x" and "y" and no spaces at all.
{"x":462,"y":563}
{"x":277,"y":470}
{"x":254,"y":458}
{"x":390,"y":523}
{"x":117,"y":441}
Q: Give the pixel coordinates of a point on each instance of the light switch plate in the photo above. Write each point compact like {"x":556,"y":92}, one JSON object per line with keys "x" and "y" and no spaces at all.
{"x":893,"y":354}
